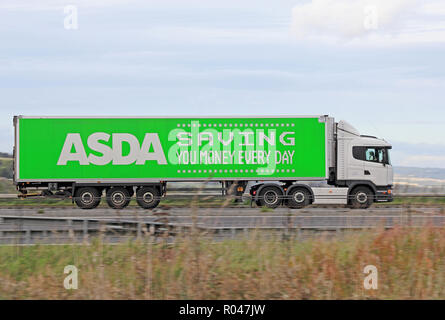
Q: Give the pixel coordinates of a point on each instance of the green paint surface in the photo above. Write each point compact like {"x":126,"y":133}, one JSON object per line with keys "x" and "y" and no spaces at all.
{"x":41,"y":141}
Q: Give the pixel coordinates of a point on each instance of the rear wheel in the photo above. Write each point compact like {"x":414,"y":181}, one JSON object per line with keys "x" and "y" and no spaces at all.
{"x":361,"y":198}
{"x":270,"y":197}
{"x":148,"y":197}
{"x":118,"y":197}
{"x":298,"y":198}
{"x":87,"y":198}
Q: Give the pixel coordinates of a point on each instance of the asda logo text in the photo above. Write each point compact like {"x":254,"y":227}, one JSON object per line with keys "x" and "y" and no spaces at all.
{"x":74,"y":150}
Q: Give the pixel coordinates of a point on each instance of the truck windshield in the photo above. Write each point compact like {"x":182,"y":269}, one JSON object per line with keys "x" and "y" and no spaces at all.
{"x":388,"y":158}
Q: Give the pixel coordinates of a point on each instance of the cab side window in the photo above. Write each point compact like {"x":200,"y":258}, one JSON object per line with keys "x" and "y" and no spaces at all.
{"x":370,"y":154}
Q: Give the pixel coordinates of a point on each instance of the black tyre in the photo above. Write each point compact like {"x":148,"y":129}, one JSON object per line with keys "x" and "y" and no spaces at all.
{"x":270,"y":197}
{"x":118,"y":197}
{"x":298,"y":198}
{"x":87,"y":198}
{"x":148,"y":197}
{"x":130,"y":191}
{"x":361,"y":198}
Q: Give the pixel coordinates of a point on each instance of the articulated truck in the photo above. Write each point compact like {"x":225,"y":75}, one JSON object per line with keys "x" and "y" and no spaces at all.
{"x":292,"y":161}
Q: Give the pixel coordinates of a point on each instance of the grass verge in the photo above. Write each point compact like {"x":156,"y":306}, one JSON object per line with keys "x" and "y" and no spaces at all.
{"x":410,"y":264}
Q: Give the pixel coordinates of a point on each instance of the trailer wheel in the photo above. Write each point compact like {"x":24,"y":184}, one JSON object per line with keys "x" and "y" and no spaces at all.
{"x":361,"y":198}
{"x":270,"y":197}
{"x":298,"y":198}
{"x":148,"y":197}
{"x":87,"y":198}
{"x":118,"y":197}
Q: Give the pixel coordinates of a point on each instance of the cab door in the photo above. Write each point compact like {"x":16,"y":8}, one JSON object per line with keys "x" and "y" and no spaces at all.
{"x":375,"y":166}
{"x":356,"y":164}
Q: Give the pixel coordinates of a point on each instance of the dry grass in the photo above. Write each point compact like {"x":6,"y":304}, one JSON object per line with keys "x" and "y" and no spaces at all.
{"x":410,"y":264}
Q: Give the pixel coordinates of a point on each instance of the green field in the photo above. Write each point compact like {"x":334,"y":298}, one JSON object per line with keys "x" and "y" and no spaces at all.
{"x":6,"y":167}
{"x":6,"y":173}
{"x":6,"y":186}
{"x":437,"y":200}
{"x":409,"y":263}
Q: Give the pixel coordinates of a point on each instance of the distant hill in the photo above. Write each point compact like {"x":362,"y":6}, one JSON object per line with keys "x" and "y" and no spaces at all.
{"x":433,"y":173}
{"x":423,"y":180}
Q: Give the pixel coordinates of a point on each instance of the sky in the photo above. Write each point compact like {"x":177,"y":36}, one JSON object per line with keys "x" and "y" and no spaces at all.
{"x":378,"y":64}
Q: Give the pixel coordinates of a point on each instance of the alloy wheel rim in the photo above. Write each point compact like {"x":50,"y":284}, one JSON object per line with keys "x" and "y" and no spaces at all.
{"x":148,"y":197}
{"x":87,"y":197}
{"x":299,"y":197}
{"x":270,"y":197}
{"x":118,"y":198}
{"x":362,"y":197}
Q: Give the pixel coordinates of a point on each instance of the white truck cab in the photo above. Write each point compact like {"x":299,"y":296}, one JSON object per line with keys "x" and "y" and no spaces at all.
{"x":363,"y":161}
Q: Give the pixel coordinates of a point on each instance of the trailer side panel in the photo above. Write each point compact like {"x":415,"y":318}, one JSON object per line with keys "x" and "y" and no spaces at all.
{"x":171,"y":149}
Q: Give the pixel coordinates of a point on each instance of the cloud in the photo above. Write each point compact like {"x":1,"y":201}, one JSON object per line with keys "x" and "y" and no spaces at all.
{"x":369,"y":21}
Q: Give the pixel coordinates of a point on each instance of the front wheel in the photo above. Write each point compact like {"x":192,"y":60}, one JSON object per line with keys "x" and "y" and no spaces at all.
{"x":361,"y":198}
